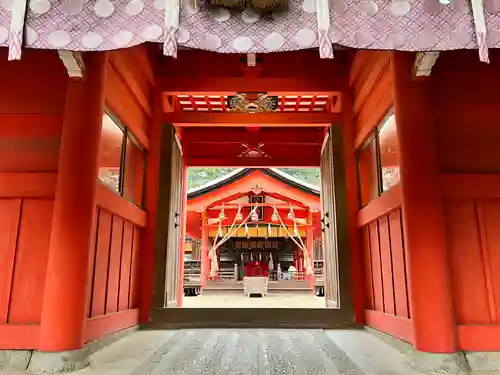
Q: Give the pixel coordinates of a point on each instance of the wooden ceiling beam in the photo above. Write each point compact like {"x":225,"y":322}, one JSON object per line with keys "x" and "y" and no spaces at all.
{"x":233,"y":119}
{"x":328,"y":86}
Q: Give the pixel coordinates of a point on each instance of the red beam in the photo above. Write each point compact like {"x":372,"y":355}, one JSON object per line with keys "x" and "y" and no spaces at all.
{"x":463,"y":185}
{"x":269,"y":136}
{"x":477,"y":337}
{"x":252,"y":119}
{"x":387,"y":202}
{"x":18,"y":336}
{"x":254,"y":163}
{"x":112,"y":202}
{"x":329,"y":85}
{"x":27,"y":185}
{"x":235,"y":206}
{"x":168,"y":104}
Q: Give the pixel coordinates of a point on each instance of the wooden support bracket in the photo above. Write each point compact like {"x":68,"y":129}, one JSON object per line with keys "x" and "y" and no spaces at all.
{"x":251,"y":60}
{"x":424,"y":61}
{"x":73,"y":62}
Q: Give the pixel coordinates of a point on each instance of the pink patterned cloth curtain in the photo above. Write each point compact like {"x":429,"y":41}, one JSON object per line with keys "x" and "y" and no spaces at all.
{"x":90,"y":25}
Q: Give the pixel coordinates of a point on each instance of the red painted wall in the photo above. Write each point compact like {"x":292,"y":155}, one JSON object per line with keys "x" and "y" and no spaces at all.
{"x":385,"y":267}
{"x":380,"y":223}
{"x":129,"y":88}
{"x":114,"y":273}
{"x":467,"y":109}
{"x":371,"y":84}
{"x":23,"y":258}
{"x":473,"y":246}
{"x":31,"y":120}
{"x":115,"y":264}
{"x":30,"y":130}
{"x":115,"y":257}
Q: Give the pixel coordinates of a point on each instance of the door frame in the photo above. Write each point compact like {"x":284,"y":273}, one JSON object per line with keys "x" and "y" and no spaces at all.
{"x":164,"y":256}
{"x":326,"y":318}
{"x":340,"y":221}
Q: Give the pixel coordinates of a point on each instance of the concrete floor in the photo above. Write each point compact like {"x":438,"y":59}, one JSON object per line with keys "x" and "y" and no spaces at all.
{"x":288,"y":299}
{"x":248,"y":352}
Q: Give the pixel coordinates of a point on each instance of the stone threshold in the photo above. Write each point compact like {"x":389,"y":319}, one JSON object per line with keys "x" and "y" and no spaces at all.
{"x":460,"y":363}
{"x":36,"y":362}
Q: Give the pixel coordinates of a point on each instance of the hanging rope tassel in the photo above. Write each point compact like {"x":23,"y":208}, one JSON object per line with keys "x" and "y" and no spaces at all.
{"x":172,"y":11}
{"x":211,"y":256}
{"x":307,"y":261}
{"x":212,"y":253}
{"x":17,"y":29}
{"x":480,"y":24}
{"x":324,"y":38}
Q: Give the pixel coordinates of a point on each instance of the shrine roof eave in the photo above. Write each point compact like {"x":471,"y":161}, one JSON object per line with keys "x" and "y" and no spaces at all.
{"x":242,"y":172}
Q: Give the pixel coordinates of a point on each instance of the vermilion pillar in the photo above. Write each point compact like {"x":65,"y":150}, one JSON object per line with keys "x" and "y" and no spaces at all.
{"x":218,"y":265}
{"x":423,"y":214}
{"x":180,"y":295}
{"x":309,"y":246}
{"x":352,"y":205}
{"x":296,"y":259}
{"x":151,"y":205}
{"x":205,"y":261}
{"x":64,"y":301}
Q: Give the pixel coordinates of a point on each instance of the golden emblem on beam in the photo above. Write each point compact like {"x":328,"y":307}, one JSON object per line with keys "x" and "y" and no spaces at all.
{"x":253,"y":152}
{"x":260,"y":6}
{"x":256,"y":103}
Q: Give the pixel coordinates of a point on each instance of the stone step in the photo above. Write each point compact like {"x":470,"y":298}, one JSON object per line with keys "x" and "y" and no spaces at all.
{"x":250,"y":351}
{"x":282,"y":292}
{"x":372,"y":355}
{"x":272,"y":351}
{"x":272,"y":285}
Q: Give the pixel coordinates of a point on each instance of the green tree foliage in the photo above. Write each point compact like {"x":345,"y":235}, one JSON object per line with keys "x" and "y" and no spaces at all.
{"x":309,"y":175}
{"x":201,"y":176}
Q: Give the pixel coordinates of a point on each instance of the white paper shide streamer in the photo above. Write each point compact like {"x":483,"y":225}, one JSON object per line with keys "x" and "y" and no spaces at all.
{"x":172,"y":13}
{"x":480,"y":25}
{"x":324,"y":38}
{"x":16,"y":31}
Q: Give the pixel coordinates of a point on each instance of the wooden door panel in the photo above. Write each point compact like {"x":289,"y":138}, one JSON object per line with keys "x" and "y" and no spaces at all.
{"x":329,"y":227}
{"x":174,"y":232}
